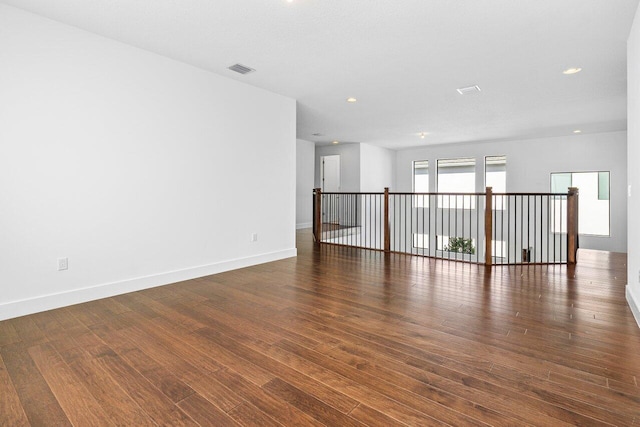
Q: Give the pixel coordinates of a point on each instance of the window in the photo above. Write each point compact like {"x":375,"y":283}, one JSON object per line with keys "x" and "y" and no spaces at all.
{"x":499,"y":248}
{"x":593,"y":202}
{"x":421,"y":183}
{"x":420,"y":241}
{"x":495,"y":176}
{"x":457,"y":176}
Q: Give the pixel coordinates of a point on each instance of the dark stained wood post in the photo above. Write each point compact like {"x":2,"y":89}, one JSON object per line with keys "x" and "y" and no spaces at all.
{"x":572,"y":225}
{"x":488,"y":225}
{"x":317,"y":215}
{"x":387,"y":231}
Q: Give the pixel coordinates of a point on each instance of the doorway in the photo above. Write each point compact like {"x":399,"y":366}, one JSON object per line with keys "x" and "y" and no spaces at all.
{"x":330,"y":173}
{"x":330,"y":180}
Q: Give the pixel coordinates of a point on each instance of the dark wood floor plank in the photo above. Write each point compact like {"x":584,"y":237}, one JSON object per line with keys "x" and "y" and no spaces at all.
{"x":426,"y":405}
{"x":90,"y":313}
{"x":11,"y":410}
{"x":251,"y":352}
{"x":248,"y":415}
{"x":29,"y":332}
{"x":153,"y":402}
{"x":74,"y":398}
{"x":120,"y":407}
{"x":372,"y":398}
{"x":49,"y":325}
{"x":39,"y":403}
{"x":205,"y":413}
{"x":370,"y":417}
{"x":435,"y":382}
{"x":221,"y":355}
{"x":198,"y":378}
{"x":166,"y":309}
{"x":173,"y":343}
{"x":395,"y":354}
{"x":8,"y":334}
{"x":279,"y":410}
{"x":136,"y":302}
{"x":309,"y":404}
{"x":163,"y":379}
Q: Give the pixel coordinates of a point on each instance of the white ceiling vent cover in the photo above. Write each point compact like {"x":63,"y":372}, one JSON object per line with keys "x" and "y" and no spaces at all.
{"x":242,"y":69}
{"x":469,"y":89}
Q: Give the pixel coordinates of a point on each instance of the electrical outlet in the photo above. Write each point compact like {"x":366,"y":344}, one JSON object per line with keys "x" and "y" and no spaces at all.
{"x":254,"y":237}
{"x":63,"y":264}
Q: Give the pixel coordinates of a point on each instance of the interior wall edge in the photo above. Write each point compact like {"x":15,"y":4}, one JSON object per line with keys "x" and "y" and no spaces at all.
{"x":634,"y":303}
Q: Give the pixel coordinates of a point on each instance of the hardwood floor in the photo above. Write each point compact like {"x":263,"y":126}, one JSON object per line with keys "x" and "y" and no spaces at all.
{"x":337,"y":337}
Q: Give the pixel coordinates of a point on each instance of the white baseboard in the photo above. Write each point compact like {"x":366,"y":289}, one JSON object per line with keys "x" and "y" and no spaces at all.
{"x":304,"y":225}
{"x":62,"y":299}
{"x":634,"y":303}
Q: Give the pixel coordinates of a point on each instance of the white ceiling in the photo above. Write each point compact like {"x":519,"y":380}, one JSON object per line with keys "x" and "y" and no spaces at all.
{"x":402,"y":60}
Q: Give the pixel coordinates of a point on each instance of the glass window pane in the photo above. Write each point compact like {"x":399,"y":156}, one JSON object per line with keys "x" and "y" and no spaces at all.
{"x":593,"y":202}
{"x":495,"y":176}
{"x":560,"y":182}
{"x":603,"y":185}
{"x":593,"y":213}
{"x":456,"y":176}
{"x":421,"y":183}
{"x":420,"y":241}
{"x":421,"y":176}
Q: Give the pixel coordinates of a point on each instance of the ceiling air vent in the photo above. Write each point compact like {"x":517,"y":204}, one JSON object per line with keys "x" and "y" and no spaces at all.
{"x":242,"y":69}
{"x":469,"y":89}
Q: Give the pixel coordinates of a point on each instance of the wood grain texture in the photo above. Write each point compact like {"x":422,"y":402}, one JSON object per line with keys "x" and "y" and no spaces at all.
{"x":10,"y":407}
{"x":337,"y":336}
{"x":78,"y":404}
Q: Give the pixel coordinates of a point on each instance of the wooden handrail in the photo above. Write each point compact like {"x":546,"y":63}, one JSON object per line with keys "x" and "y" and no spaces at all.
{"x":368,"y":224}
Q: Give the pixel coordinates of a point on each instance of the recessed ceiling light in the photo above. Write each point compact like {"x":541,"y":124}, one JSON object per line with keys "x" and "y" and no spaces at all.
{"x":572,"y":70}
{"x":469,"y":89}
{"x":336,"y":142}
{"x":577,"y":131}
{"x":351,"y":99}
{"x":423,"y":134}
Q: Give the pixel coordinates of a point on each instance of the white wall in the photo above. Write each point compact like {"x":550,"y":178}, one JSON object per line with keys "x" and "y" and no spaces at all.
{"x":140,"y":169}
{"x":530,"y":163}
{"x":305,"y":170}
{"x":633,"y":158}
{"x":349,"y":165}
{"x":377,"y":168}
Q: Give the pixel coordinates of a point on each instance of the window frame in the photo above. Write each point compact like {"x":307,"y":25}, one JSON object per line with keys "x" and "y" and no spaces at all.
{"x":597,"y":172}
{"x":440,"y":199}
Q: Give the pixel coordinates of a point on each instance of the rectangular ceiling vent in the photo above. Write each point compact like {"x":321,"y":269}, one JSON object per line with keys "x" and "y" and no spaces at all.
{"x":242,"y":69}
{"x":469,"y":89}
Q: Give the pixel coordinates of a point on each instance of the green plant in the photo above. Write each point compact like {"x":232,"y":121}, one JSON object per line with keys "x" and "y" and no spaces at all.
{"x":460,"y":245}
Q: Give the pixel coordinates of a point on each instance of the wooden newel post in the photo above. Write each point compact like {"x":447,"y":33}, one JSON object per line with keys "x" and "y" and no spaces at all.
{"x":488,"y":226}
{"x":317,"y":215}
{"x":387,"y":230}
{"x":572,"y":225}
